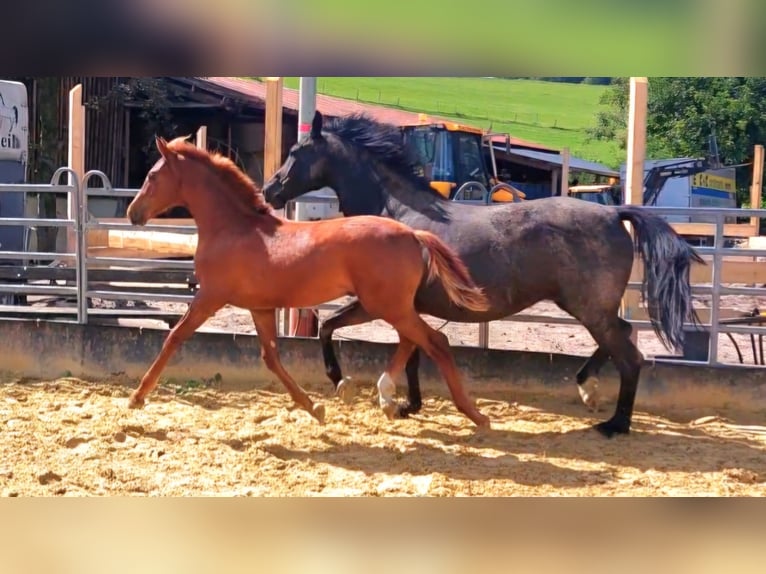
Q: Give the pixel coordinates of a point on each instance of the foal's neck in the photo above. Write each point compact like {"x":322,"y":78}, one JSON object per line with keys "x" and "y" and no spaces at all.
{"x":216,"y":209}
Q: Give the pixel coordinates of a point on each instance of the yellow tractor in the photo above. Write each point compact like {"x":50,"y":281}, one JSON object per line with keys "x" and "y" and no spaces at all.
{"x":451,"y":157}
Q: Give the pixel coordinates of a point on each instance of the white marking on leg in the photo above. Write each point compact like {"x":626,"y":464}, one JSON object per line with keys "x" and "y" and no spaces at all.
{"x":589,"y":393}
{"x":386,"y":392}
{"x":345,"y":390}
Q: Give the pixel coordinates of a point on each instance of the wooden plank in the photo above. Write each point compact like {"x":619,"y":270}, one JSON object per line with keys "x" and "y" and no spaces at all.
{"x":734,"y":270}
{"x":153,"y":241}
{"x":708,"y":229}
{"x":133,"y":253}
{"x":168,"y":221}
{"x":97,"y":238}
{"x":640,"y":314}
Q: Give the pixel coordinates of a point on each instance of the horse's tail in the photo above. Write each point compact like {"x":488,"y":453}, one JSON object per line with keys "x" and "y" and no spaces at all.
{"x":667,"y":263}
{"x":445,"y":264}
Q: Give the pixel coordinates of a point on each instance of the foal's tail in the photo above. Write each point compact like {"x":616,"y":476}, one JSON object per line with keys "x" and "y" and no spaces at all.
{"x":667,"y":263}
{"x":445,"y":264}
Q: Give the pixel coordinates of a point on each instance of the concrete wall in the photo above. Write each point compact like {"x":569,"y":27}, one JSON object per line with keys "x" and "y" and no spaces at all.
{"x":52,"y":349}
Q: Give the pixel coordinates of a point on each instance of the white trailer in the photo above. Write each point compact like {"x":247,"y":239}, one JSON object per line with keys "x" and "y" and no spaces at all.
{"x":711,"y":188}
{"x":14,"y":152}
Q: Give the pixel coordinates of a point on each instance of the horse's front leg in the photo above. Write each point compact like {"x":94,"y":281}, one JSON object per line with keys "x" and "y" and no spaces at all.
{"x":266,"y":327}
{"x":200,"y":309}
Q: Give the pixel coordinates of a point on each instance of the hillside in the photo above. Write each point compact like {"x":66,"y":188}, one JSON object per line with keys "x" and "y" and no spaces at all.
{"x":551,"y":113}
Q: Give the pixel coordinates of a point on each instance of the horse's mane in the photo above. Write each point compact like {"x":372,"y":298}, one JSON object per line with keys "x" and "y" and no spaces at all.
{"x":246,"y":192}
{"x":381,"y":140}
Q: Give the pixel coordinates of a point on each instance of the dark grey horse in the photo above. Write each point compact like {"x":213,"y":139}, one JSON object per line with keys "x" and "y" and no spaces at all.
{"x":575,"y":253}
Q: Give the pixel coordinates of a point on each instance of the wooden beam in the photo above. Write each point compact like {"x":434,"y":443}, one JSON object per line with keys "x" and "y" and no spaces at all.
{"x":634,"y":176}
{"x":201,"y":138}
{"x":153,"y":241}
{"x":734,"y":271}
{"x":756,"y":187}
{"x":272,"y":151}
{"x":129,"y":253}
{"x":75,"y":155}
{"x":564,"y":191}
{"x":554,"y":181}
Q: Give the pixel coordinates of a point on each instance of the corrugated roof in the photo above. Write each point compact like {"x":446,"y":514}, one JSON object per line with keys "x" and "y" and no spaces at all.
{"x":556,"y":159}
{"x":334,"y":107}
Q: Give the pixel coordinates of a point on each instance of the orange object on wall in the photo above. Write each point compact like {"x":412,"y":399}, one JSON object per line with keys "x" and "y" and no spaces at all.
{"x":303,"y":323}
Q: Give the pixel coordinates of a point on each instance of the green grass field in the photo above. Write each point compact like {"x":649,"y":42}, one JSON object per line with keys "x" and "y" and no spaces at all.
{"x":549,"y":113}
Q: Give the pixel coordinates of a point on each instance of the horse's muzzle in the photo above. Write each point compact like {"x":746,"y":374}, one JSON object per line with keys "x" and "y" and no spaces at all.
{"x":136,"y":216}
{"x":271,"y":193}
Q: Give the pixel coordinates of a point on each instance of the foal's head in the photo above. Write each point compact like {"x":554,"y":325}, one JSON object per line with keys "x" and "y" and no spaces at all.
{"x":172,"y":182}
{"x":162,"y":186}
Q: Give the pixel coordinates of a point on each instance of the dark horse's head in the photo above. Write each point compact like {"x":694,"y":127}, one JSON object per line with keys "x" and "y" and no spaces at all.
{"x":305,"y":169}
{"x":344,"y":155}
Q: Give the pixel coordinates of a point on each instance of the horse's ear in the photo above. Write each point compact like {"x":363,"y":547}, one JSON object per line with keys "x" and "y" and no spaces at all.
{"x":162,"y":146}
{"x":316,"y":125}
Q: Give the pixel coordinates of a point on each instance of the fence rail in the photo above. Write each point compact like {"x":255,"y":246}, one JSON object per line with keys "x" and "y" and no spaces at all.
{"x":180,"y":289}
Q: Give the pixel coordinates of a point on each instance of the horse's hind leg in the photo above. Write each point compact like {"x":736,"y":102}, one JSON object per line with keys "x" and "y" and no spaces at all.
{"x":436,"y":345}
{"x":414,"y":398}
{"x":266,"y":327}
{"x":587,"y":376}
{"x":614,"y":338}
{"x":386,"y":382}
{"x":350,"y":314}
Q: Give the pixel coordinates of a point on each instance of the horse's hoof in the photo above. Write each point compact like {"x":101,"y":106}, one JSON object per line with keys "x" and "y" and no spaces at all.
{"x":482,"y":421}
{"x":318,"y":412}
{"x":136,"y":402}
{"x":589,"y":393}
{"x":390,"y":408}
{"x":403,"y":411}
{"x":345,"y":390}
{"x":610,"y":428}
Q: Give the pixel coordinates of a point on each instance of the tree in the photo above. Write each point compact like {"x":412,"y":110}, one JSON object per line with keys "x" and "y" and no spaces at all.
{"x":684,"y":112}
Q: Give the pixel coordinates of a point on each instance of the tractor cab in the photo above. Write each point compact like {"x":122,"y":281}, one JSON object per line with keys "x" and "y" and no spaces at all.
{"x":605,"y":194}
{"x":451,"y":157}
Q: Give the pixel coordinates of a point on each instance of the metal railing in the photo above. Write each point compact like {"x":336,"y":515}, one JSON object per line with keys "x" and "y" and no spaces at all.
{"x":84,"y":290}
{"x":27,"y":257}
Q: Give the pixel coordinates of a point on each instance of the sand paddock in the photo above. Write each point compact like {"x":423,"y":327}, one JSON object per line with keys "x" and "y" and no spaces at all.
{"x":69,"y":437}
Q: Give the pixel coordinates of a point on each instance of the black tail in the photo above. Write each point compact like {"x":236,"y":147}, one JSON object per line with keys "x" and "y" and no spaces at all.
{"x":667,"y":261}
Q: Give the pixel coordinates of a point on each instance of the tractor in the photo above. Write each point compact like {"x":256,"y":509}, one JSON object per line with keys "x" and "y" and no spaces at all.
{"x":451,"y":156}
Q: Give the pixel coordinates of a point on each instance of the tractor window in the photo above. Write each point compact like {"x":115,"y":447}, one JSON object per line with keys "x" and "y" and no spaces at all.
{"x":470,"y":159}
{"x":421,"y":142}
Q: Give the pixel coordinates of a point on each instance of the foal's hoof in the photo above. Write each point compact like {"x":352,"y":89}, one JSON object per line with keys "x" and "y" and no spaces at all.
{"x":610,"y":428}
{"x":136,"y":402}
{"x":589,"y":393}
{"x":482,"y":421}
{"x":345,"y":390}
{"x":390,"y":408}
{"x":318,"y":412}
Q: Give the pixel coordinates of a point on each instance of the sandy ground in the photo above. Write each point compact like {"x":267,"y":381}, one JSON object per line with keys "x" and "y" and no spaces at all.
{"x":74,"y":438}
